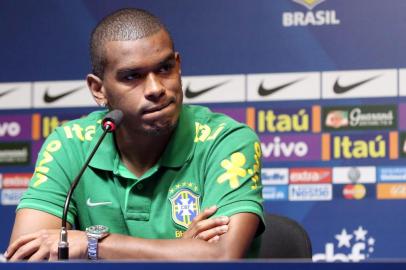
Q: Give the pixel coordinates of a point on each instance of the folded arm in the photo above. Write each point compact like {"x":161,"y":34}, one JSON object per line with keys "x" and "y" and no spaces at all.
{"x":39,"y":240}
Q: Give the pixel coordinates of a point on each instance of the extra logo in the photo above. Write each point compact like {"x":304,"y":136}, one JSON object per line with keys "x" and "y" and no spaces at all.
{"x":355,"y":246}
{"x":15,"y":180}
{"x":310,"y":18}
{"x":185,"y":206}
{"x":310,"y":175}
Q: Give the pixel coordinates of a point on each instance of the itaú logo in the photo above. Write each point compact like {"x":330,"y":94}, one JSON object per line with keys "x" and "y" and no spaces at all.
{"x":350,"y":247}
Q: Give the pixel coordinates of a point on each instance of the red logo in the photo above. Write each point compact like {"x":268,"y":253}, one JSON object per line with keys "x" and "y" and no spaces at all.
{"x":15,"y":180}
{"x":309,"y":175}
{"x":356,"y":191}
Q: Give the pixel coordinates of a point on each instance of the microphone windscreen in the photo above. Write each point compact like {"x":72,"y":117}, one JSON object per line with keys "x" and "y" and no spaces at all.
{"x":113,"y":117}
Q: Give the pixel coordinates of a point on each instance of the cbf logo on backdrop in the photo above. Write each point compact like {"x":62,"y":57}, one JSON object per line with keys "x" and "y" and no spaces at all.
{"x":311,"y":17}
{"x":350,"y":246}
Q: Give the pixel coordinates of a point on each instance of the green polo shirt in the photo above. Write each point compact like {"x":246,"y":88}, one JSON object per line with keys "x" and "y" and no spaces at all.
{"x":210,"y":160}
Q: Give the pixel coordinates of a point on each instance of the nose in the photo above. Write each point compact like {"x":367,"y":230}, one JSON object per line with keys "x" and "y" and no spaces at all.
{"x":154,"y":89}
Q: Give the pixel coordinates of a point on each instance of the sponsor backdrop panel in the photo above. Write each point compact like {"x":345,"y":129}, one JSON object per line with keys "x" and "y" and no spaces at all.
{"x":326,"y":96}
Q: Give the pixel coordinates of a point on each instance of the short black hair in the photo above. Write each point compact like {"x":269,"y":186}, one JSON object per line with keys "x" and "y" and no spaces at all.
{"x":123,"y":24}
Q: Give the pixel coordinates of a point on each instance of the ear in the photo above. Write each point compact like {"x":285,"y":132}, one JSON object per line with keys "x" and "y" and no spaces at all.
{"x":177,"y":59}
{"x":95,"y":85}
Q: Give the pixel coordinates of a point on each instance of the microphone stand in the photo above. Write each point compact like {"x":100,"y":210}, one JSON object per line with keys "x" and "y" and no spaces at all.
{"x":109,"y":125}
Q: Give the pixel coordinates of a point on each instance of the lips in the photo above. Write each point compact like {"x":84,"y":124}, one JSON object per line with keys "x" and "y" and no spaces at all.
{"x":156,"y":108}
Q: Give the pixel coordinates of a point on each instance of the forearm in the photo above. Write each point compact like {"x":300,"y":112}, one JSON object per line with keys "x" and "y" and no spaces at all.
{"x":125,"y":247}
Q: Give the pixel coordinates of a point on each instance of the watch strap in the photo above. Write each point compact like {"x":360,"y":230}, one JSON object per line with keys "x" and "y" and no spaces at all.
{"x":92,"y":248}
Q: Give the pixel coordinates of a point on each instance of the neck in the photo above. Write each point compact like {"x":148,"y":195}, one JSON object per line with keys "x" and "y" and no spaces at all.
{"x":139,"y":152}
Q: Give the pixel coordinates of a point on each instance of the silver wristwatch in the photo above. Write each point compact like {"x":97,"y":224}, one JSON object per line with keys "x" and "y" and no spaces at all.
{"x":94,"y":234}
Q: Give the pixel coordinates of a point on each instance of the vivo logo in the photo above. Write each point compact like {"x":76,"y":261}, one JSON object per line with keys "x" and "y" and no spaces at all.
{"x":291,"y":147}
{"x":278,"y":148}
{"x":11,"y":129}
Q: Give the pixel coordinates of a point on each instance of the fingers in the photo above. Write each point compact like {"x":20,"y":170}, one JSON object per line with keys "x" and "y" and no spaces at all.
{"x":19,"y":243}
{"x":25,"y":251}
{"x":41,"y":254}
{"x":208,"y":212}
{"x":212,"y":234}
{"x":191,"y":231}
{"x":214,"y":239}
{"x":44,"y":245}
{"x":208,"y":228}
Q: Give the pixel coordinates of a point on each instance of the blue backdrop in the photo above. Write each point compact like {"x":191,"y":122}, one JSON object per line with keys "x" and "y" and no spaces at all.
{"x":331,"y":115}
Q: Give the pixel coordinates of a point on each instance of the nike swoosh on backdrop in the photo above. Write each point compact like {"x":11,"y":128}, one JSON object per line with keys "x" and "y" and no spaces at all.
{"x":192,"y":94}
{"x":93,"y":204}
{"x":50,"y":99}
{"x":8,"y":91}
{"x":339,"y":89}
{"x":262,"y":91}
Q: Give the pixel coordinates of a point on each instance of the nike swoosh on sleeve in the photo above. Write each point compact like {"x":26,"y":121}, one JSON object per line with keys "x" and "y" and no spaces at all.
{"x":262,"y":91}
{"x":192,"y":94}
{"x":339,"y":89}
{"x":50,"y":99}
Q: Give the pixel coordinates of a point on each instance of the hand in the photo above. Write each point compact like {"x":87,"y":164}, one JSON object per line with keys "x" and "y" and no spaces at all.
{"x":43,"y":245}
{"x":205,"y":228}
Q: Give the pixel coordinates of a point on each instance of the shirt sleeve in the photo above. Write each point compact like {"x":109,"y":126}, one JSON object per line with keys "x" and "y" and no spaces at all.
{"x":51,"y":180}
{"x":233,"y":176}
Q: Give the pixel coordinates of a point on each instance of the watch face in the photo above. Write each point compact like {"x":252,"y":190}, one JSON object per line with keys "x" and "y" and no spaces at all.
{"x":97,"y":229}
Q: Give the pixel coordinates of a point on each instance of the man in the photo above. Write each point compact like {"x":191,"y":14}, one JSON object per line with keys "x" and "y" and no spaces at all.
{"x":149,"y":181}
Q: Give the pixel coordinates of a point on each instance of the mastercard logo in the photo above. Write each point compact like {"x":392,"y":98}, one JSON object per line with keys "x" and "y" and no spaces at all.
{"x":356,"y":192}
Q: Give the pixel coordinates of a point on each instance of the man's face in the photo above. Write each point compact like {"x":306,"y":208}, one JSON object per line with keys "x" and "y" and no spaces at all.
{"x":142,"y":78}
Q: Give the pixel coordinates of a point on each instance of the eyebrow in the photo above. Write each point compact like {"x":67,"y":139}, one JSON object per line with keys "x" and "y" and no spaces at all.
{"x":169,"y":58}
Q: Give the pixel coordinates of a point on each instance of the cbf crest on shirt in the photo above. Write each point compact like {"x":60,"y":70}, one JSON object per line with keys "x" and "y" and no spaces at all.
{"x":185,"y":206}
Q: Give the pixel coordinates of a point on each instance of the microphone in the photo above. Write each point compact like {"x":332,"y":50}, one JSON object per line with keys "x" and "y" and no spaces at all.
{"x":109,"y":124}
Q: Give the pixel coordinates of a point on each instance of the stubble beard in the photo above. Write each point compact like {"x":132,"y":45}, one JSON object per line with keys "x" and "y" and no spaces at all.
{"x":159,"y":130}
